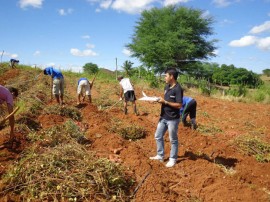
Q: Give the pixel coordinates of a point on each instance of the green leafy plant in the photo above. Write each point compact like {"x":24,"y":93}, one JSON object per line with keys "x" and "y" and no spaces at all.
{"x":254,"y":146}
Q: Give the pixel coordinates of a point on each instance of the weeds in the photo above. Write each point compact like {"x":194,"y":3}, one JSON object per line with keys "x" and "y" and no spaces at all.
{"x":254,"y":146}
{"x":211,"y":130}
{"x":132,"y":132}
{"x":70,"y":112}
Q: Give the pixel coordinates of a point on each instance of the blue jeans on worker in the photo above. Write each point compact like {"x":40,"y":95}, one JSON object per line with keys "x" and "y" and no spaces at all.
{"x":172,"y":127}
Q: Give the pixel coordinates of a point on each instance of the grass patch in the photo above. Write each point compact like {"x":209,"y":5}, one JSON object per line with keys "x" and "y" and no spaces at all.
{"x":209,"y":130}
{"x":254,"y":146}
{"x":70,"y":112}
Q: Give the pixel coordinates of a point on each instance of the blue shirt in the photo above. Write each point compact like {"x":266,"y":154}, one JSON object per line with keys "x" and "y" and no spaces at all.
{"x":82,"y":79}
{"x":55,"y":73}
{"x":186,"y":100}
{"x":13,"y":60}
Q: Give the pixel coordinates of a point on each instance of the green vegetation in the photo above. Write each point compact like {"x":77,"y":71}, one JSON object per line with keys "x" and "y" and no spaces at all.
{"x":172,"y":36}
{"x":67,"y":111}
{"x":90,"y":68}
{"x":266,"y":72}
{"x":132,"y":132}
{"x":209,"y":130}
{"x":253,"y":145}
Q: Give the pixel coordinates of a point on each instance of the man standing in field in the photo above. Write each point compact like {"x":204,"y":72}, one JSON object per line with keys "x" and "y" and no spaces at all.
{"x":84,"y":86}
{"x":8,"y":95}
{"x":57,"y":83}
{"x":169,"y":117}
{"x":127,"y":89}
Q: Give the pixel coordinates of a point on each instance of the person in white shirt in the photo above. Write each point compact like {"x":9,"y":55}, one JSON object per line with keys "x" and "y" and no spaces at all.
{"x":127,"y":89}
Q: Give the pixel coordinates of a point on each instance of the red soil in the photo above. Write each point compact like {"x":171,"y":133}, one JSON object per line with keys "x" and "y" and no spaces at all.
{"x":199,"y":174}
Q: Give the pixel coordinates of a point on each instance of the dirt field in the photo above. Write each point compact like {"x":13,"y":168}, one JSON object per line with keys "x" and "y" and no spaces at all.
{"x":210,"y":166}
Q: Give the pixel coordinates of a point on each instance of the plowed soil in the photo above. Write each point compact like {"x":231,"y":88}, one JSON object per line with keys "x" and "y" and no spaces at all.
{"x":210,"y":166}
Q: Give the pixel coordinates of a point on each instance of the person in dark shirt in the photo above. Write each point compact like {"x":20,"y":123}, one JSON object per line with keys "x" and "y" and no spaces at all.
{"x":13,"y":63}
{"x":169,"y":117}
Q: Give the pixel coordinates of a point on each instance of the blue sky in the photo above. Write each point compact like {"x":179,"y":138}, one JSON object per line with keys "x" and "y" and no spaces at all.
{"x":67,"y":34}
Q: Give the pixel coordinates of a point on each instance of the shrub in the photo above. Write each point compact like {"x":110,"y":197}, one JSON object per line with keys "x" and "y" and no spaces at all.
{"x":132,"y":132}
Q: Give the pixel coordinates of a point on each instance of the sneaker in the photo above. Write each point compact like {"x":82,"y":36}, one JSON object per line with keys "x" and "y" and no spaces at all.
{"x":171,"y":163}
{"x":157,"y":157}
{"x":125,"y":111}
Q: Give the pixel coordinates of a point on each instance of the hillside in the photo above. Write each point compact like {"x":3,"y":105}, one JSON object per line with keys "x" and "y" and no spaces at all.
{"x":226,"y":159}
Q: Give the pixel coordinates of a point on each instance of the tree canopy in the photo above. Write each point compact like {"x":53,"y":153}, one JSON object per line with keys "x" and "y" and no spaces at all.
{"x":127,"y":67}
{"x":266,"y":72}
{"x":90,"y":68}
{"x":172,"y":36}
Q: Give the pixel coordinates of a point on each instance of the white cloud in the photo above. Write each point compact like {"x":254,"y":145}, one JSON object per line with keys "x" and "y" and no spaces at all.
{"x":173,"y":2}
{"x":83,"y":53}
{"x":86,"y":37}
{"x":126,"y":52}
{"x":65,"y":12}
{"x":264,"y":43}
{"x":105,"y":4}
{"x":261,"y":43}
{"x":36,"y":53}
{"x":90,"y":46}
{"x":132,"y":6}
{"x":10,"y":55}
{"x":51,"y":64}
{"x":244,"y":41}
{"x":224,"y":3}
{"x":261,"y":28}
{"x":33,"y":3}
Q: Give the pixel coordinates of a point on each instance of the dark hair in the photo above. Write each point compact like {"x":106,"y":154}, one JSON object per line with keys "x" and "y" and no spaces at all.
{"x":45,"y":72}
{"x":119,"y":78}
{"x":14,"y":91}
{"x":172,"y":71}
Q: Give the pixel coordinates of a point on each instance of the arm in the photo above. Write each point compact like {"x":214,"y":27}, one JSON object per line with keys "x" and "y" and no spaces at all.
{"x":121,"y":91}
{"x":171,"y":104}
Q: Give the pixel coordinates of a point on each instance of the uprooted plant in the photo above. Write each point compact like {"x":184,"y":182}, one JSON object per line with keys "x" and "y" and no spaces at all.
{"x":66,"y":172}
{"x":58,"y":134}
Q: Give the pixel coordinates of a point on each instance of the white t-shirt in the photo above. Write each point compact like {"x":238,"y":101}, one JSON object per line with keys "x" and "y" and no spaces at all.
{"x":126,"y":85}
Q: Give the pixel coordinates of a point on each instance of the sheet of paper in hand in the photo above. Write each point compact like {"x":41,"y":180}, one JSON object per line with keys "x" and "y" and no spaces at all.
{"x":146,"y":98}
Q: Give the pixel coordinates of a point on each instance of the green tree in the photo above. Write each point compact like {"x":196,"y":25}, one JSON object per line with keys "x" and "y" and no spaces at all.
{"x":90,"y":68}
{"x":127,"y":67}
{"x":172,"y":36}
{"x":266,"y":72}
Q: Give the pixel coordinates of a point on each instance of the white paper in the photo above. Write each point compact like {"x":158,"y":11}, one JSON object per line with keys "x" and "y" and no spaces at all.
{"x":147,"y":98}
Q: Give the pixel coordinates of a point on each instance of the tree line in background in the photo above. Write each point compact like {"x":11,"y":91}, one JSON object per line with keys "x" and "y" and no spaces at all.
{"x":180,"y":37}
